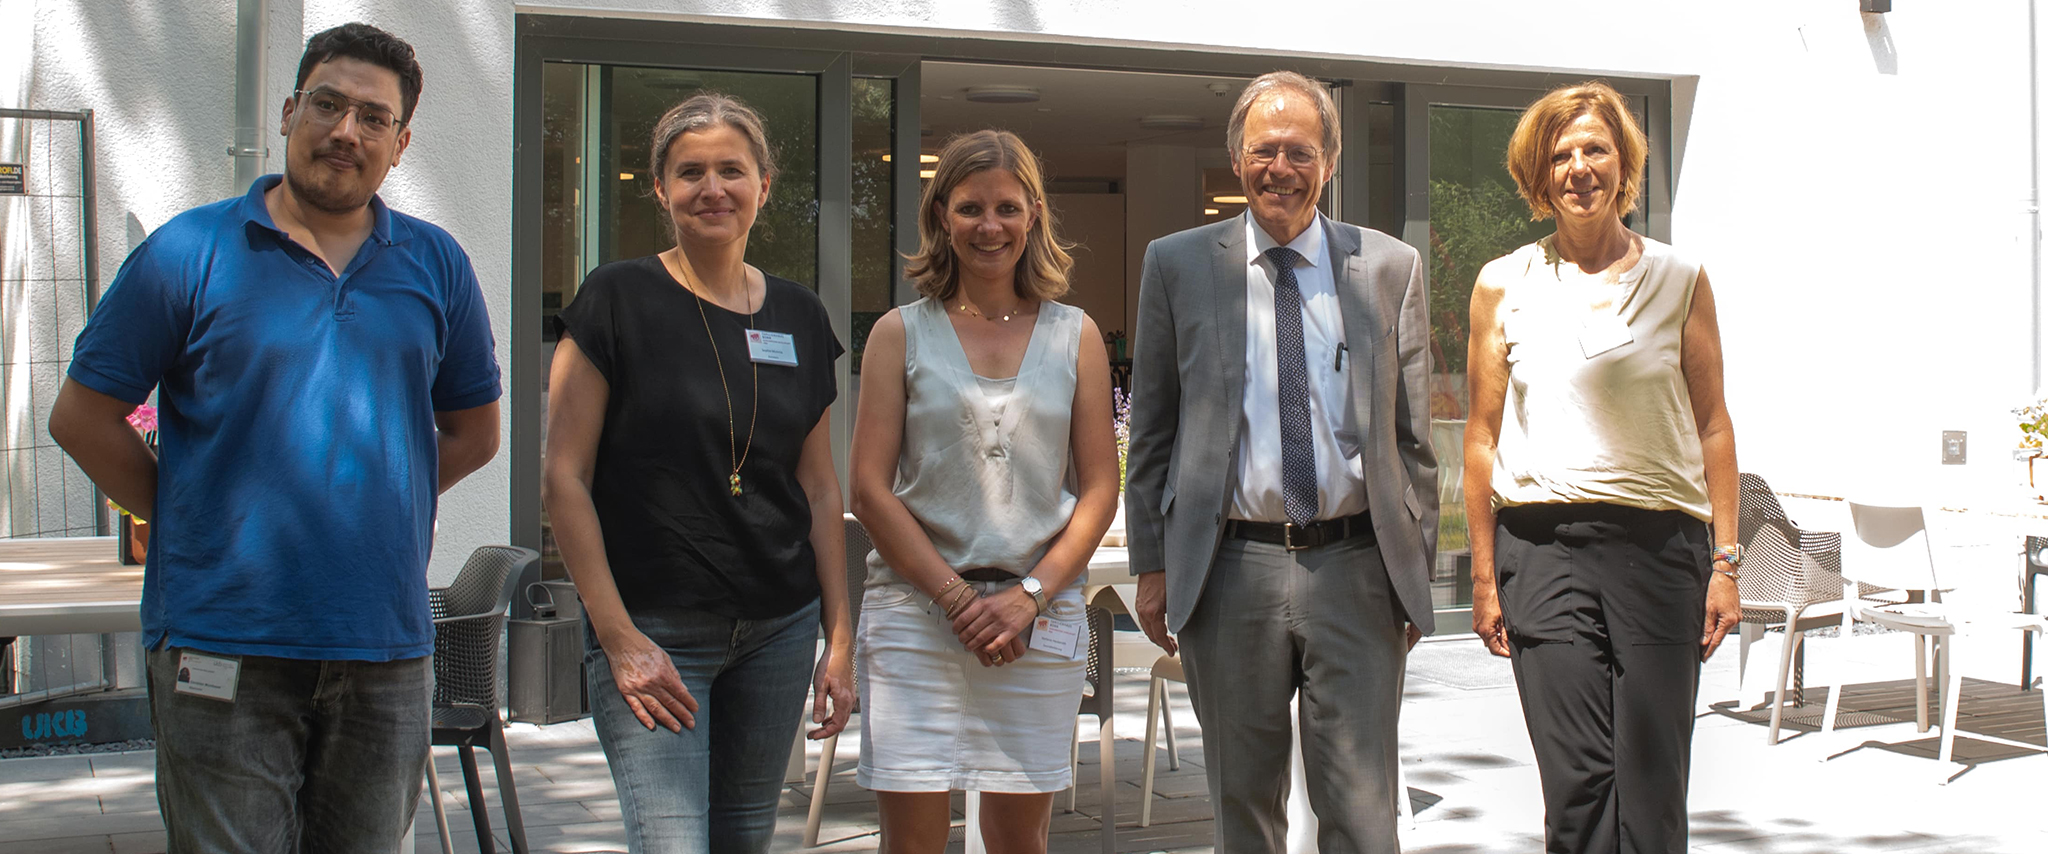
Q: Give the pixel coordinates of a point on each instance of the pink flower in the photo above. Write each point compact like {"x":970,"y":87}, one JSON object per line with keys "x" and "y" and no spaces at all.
{"x":143,"y":418}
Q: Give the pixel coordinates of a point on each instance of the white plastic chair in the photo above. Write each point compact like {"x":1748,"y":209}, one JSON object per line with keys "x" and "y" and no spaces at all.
{"x":1166,"y":669}
{"x":1893,"y":547}
{"x":857,"y":547}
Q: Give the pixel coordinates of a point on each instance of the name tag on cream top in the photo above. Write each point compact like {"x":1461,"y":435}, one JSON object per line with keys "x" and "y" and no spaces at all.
{"x":207,"y":676}
{"x":775,"y":348}
{"x":1603,"y":333}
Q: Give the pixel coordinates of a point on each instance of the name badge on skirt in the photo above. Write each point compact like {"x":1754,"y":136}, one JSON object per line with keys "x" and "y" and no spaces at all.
{"x":1058,"y":631}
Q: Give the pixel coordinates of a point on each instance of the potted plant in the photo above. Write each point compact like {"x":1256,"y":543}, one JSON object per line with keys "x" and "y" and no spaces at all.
{"x":134,"y":539}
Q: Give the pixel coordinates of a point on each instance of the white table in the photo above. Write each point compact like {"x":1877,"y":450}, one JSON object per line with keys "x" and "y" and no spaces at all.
{"x":61,"y":586}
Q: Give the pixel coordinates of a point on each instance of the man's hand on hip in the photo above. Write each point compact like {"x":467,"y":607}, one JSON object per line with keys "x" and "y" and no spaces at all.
{"x":1152,"y":610}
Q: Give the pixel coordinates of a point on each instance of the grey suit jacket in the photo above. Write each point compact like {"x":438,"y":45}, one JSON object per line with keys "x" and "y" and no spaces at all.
{"x":1187,"y":379}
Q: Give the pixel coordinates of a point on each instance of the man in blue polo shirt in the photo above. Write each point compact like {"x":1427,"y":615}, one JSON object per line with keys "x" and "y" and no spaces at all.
{"x":323,"y":369}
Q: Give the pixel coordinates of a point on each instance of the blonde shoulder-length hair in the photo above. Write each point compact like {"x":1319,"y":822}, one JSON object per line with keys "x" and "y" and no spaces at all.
{"x":1042,"y":273}
{"x":1544,"y":122}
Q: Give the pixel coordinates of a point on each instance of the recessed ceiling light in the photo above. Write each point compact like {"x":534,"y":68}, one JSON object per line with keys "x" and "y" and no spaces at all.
{"x":625,"y":176}
{"x":1170,"y":122}
{"x":1227,"y":200}
{"x":927,"y":173}
{"x":1210,"y":211}
{"x":1002,"y":93}
{"x":922,"y":158}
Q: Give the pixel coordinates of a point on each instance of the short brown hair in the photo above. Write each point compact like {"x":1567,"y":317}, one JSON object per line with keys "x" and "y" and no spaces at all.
{"x":1042,"y":274}
{"x":1544,"y":122}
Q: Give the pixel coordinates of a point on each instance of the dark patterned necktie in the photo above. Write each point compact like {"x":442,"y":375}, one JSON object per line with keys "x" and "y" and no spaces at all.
{"x":1297,"y":446}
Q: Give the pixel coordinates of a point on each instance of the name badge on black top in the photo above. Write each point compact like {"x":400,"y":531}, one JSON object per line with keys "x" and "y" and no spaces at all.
{"x":775,"y":348}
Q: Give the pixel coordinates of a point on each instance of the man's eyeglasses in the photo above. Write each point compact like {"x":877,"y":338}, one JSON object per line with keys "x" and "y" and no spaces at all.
{"x":326,"y":108}
{"x":1300,"y":157}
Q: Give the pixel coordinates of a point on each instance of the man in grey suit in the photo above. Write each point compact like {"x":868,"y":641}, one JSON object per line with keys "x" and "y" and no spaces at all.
{"x":1282,"y":499}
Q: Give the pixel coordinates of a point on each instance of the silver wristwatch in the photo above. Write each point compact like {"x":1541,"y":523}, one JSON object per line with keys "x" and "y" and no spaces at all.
{"x":1036,"y":589}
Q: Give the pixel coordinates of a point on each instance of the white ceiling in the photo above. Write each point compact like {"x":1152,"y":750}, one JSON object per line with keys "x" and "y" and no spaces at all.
{"x":1083,"y":119}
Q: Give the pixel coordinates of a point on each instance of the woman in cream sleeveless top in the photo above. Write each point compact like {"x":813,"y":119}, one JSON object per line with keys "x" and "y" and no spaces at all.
{"x":984,"y":468}
{"x":1600,"y":483}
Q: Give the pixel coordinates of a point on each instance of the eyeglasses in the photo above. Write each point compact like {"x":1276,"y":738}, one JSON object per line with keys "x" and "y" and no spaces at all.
{"x":1300,"y":156}
{"x":326,"y":108}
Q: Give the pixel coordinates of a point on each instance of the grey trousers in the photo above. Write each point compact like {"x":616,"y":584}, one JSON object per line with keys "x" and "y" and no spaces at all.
{"x":1323,"y":621}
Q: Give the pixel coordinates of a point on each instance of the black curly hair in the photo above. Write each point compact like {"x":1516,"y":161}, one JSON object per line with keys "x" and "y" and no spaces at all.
{"x":366,"y":43}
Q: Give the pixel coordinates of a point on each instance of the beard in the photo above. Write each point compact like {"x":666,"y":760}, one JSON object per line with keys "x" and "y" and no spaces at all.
{"x":325,"y":189}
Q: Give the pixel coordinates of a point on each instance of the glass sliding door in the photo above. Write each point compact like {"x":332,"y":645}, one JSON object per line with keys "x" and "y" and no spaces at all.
{"x":599,"y":197}
{"x":1469,"y":215}
{"x":585,"y":113}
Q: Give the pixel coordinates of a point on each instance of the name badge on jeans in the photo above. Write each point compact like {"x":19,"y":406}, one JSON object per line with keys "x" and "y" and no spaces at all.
{"x":207,"y":676}
{"x":775,"y":348}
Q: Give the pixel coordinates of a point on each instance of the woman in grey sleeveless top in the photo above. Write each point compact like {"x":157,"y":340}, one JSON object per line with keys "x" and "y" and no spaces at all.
{"x":1600,"y":482}
{"x":984,"y":467}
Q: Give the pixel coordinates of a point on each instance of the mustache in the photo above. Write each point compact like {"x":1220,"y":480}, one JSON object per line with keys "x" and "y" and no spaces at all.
{"x":342,"y":151}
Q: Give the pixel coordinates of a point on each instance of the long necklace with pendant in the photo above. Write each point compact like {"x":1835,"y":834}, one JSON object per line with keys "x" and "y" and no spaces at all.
{"x":738,"y":456}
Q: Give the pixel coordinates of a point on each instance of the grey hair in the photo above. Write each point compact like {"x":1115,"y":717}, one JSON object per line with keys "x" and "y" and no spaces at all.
{"x":1276,"y":81}
{"x":705,"y":110}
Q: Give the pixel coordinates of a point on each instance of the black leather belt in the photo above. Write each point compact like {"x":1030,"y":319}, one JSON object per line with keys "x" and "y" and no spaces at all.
{"x":1298,"y":537}
{"x":988,"y":573}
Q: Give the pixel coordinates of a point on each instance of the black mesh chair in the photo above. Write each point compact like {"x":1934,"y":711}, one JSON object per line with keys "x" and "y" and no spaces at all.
{"x":857,"y":547}
{"x":469,"y":621}
{"x":1786,"y":573}
{"x":1096,"y":699}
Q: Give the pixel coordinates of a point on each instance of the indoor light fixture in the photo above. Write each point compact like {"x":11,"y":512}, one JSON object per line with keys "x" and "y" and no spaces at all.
{"x":1002,"y":93}
{"x":922,"y":158}
{"x":625,"y":176}
{"x":927,"y":173}
{"x":1210,"y":211}
{"x":1228,"y":200}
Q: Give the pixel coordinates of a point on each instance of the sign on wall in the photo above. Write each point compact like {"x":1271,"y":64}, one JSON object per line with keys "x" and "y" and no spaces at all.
{"x":13,"y":180}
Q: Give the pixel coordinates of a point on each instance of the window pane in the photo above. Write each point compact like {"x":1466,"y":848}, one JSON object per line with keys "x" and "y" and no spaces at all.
{"x":874,"y":208}
{"x":785,"y":236}
{"x":1474,"y":217}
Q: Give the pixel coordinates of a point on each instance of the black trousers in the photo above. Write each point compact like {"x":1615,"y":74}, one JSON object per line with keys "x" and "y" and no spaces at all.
{"x":1604,"y":606}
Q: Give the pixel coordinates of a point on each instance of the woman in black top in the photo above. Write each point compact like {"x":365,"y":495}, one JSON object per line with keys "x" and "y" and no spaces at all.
{"x":689,"y":479}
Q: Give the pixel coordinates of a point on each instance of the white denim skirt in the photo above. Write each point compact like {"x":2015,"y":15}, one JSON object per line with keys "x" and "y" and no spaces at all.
{"x":933,"y":719}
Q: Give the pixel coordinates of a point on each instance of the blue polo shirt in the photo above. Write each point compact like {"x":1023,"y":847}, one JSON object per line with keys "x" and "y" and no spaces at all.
{"x":296,"y":481}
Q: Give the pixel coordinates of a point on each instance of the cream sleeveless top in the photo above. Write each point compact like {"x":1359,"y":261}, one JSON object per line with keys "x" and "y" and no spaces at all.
{"x":985,"y":465}
{"x":1616,"y":426}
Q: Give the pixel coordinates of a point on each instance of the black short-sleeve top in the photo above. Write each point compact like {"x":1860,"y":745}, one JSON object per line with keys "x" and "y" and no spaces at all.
{"x":674,"y":533}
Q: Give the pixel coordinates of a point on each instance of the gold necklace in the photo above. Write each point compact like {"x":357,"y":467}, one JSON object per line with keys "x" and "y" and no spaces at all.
{"x":970,"y":309}
{"x":739,"y":457}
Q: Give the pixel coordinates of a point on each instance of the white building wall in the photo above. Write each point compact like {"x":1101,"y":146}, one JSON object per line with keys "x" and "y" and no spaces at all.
{"x":1856,"y":184}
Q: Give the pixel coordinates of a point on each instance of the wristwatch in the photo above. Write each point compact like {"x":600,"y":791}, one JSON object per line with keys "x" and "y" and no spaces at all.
{"x":1036,"y":590}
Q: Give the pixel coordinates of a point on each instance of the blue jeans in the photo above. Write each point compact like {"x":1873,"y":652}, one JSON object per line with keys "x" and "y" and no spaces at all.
{"x":715,"y":787}
{"x":311,"y":757}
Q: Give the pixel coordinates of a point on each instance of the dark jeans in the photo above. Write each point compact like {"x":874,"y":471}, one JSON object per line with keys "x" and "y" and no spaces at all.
{"x":311,"y":757}
{"x":715,"y":787}
{"x":1604,"y":606}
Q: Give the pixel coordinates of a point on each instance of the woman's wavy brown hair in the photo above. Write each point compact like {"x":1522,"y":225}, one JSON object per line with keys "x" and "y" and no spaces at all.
{"x":1544,"y":122}
{"x":1042,"y":273}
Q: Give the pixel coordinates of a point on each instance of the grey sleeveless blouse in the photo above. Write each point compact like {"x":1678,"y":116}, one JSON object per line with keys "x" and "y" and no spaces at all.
{"x":991,"y":482}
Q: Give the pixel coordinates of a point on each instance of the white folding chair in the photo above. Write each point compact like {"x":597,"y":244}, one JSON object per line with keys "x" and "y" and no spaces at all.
{"x":1894,"y":547}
